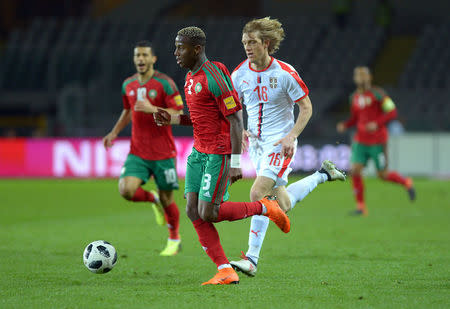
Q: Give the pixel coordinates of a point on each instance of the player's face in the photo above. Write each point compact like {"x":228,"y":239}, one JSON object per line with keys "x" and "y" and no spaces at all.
{"x":362,"y":77}
{"x":143,"y":59}
{"x":254,"y":47}
{"x":185,"y":52}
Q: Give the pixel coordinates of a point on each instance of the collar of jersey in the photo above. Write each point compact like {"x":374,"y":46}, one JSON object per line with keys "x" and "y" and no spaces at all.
{"x":270,"y":63}
{"x":137,"y":78}
{"x":193,"y":73}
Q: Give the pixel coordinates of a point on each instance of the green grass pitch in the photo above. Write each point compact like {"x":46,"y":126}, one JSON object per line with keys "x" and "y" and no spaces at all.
{"x":397,"y":257}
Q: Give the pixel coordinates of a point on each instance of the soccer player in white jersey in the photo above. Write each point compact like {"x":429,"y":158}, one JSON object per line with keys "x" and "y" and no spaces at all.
{"x":269,"y":88}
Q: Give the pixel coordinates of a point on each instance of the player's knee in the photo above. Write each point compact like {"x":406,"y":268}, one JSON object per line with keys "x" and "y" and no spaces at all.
{"x":256,"y":194}
{"x":127,"y":192}
{"x":165,"y":199}
{"x":382,"y":174}
{"x":191,"y":212}
{"x":207,"y":214}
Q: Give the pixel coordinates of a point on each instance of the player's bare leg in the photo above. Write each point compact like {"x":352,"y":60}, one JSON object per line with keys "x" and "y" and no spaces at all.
{"x":172,"y":216}
{"x":358,"y":189}
{"x":130,"y":189}
{"x":395,"y":177}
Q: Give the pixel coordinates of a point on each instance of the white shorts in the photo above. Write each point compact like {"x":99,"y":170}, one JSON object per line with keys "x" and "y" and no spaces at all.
{"x":268,"y":162}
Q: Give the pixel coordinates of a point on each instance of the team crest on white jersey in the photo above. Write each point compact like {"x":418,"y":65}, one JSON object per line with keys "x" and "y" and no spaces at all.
{"x":273,"y":82}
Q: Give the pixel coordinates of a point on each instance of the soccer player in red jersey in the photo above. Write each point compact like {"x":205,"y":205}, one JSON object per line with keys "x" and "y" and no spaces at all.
{"x":371,"y":110}
{"x":152,"y":151}
{"x":215,"y":114}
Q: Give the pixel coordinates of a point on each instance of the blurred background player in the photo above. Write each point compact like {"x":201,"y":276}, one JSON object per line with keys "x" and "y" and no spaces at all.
{"x":152,"y":151}
{"x":269,"y":88}
{"x":215,"y":159}
{"x":371,"y":110}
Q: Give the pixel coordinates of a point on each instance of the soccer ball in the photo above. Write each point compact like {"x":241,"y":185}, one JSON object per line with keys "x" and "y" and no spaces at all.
{"x":99,"y":256}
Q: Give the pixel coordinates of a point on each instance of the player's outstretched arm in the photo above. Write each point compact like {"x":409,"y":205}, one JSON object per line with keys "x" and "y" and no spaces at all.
{"x":236,"y":128}
{"x":122,"y":122}
{"x":288,"y":142}
{"x":163,"y":118}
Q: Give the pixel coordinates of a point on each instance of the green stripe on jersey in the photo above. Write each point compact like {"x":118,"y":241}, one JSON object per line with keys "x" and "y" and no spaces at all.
{"x":216,"y":83}
{"x":223,"y":76}
{"x":166,"y":85}
{"x":125,"y":83}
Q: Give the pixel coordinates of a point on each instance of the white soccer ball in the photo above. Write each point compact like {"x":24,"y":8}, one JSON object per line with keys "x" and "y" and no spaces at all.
{"x":100,"y":256}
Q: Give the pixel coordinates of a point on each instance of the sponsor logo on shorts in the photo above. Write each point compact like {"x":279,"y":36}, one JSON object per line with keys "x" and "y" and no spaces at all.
{"x":122,"y":171}
{"x":229,"y":102}
{"x":206,"y":194}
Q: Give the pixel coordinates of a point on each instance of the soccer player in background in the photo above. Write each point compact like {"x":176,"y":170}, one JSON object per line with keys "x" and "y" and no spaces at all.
{"x":269,"y":89}
{"x":215,"y":114}
{"x":152,"y":151}
{"x":371,"y":110}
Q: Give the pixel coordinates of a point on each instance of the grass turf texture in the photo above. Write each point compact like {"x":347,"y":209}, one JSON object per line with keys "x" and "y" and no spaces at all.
{"x":398,"y":257}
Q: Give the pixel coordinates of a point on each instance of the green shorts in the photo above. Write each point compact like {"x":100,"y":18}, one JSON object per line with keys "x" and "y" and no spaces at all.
{"x":163,"y":170}
{"x":207,"y":175}
{"x":362,"y":153}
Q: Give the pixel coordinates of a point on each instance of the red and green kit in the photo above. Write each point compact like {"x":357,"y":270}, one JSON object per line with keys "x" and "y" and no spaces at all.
{"x":372,"y":105}
{"x":149,"y":141}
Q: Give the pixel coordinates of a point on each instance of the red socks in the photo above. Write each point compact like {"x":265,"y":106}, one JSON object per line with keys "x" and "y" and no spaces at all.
{"x":397,"y":178}
{"x":232,"y":211}
{"x":210,"y":241}
{"x":172,"y":215}
{"x":142,"y":196}
{"x":358,"y":188}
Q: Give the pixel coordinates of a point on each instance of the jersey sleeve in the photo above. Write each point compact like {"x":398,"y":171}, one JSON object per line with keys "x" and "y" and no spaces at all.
{"x":294,"y":86}
{"x":126,"y":103}
{"x":236,"y":84}
{"x":221,"y":87}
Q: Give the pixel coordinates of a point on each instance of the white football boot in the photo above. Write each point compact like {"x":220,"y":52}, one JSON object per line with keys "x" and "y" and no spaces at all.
{"x":245,"y":265}
{"x":332,"y":172}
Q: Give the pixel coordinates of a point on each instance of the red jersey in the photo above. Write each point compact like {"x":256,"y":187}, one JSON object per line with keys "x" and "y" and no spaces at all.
{"x":210,"y":97}
{"x":372,"y":105}
{"x":149,"y":141}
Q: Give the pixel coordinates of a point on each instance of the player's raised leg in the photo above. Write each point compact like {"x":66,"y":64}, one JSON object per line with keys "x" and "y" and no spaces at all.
{"x":378,"y":154}
{"x":136,"y":172}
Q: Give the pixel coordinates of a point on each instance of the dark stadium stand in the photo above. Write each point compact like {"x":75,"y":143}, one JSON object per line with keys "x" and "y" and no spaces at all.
{"x":96,"y":56}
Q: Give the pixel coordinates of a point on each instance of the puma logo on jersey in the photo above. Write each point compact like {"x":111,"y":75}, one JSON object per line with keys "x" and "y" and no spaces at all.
{"x":131,"y":93}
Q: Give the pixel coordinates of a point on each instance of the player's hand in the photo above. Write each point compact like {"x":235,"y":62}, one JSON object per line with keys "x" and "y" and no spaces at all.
{"x":145,"y":106}
{"x":235,"y":174}
{"x":162,"y":118}
{"x":287,"y":145}
{"x":371,"y":126}
{"x":108,"y":139}
{"x":340,"y":127}
{"x":245,"y":136}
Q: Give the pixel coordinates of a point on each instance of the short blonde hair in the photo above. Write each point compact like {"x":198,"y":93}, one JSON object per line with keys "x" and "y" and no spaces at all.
{"x":269,"y":29}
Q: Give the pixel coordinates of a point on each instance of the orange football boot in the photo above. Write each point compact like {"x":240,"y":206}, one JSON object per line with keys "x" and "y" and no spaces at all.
{"x":224,"y":276}
{"x":275,"y":213}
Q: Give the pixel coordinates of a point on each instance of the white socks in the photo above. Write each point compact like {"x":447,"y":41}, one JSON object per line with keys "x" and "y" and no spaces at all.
{"x":300,"y":189}
{"x":258,"y":229}
{"x":297,"y":192}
